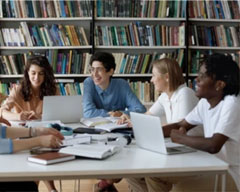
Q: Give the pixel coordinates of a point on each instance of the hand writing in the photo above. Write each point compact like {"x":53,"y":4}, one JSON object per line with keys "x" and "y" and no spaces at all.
{"x":26,"y":115}
{"x":124,"y":118}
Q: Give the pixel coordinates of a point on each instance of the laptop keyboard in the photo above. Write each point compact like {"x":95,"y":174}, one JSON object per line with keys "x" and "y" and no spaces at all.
{"x":170,"y":150}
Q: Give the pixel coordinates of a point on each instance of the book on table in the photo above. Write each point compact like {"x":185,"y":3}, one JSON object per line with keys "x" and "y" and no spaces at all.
{"x":50,"y":158}
{"x":104,"y":123}
{"x":76,"y":139}
{"x":95,"y":151}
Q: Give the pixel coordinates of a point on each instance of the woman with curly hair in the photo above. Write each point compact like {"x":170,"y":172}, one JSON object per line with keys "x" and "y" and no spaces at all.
{"x":26,"y":99}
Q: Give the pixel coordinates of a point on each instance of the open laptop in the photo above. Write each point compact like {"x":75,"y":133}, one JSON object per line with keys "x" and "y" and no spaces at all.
{"x":149,"y":135}
{"x":67,"y":109}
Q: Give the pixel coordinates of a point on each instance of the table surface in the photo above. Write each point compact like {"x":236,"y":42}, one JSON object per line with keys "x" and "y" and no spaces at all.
{"x":129,"y":162}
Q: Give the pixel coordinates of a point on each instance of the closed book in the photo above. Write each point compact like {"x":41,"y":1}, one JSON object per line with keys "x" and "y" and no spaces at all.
{"x":50,"y":158}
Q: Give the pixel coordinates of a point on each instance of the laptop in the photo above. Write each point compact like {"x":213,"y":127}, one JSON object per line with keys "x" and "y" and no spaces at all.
{"x":67,"y":109}
{"x":148,"y":133}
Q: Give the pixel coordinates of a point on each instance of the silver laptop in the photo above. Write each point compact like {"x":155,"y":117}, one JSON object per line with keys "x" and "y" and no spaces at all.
{"x":149,"y":135}
{"x":67,"y":109}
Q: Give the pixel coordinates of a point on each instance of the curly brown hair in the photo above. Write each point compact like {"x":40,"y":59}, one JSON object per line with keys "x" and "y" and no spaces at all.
{"x":48,"y":86}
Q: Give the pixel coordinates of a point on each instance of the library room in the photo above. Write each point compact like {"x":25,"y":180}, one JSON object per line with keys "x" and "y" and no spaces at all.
{"x":119,"y":95}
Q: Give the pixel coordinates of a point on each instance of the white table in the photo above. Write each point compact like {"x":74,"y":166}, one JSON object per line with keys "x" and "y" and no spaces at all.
{"x":130,"y":162}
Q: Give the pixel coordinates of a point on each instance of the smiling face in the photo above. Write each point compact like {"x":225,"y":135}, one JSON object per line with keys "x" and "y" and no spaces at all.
{"x":159,"y":80}
{"x":100,"y":76}
{"x":206,"y":85}
{"x":36,"y":76}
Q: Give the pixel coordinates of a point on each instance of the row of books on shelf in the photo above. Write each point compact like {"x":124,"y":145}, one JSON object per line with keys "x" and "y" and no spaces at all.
{"x":214,"y":9}
{"x":142,"y":63}
{"x":75,"y":88}
{"x":70,"y":62}
{"x":45,"y":35}
{"x":12,"y":64}
{"x":74,"y":62}
{"x":194,"y":59}
{"x":141,"y":8}
{"x":223,"y":36}
{"x":45,"y":8}
{"x":143,"y":90}
{"x":135,"y":34}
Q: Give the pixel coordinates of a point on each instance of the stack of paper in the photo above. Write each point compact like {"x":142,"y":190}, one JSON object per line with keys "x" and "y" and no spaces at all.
{"x":76,"y":139}
{"x":96,"y":151}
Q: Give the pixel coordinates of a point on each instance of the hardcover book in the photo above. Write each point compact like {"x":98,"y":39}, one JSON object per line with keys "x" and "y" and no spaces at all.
{"x":50,"y":158}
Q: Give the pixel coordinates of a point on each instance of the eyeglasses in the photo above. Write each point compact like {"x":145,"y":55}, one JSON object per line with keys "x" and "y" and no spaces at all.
{"x":96,"y":69}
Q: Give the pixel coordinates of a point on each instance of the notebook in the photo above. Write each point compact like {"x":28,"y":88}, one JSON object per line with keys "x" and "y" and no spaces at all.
{"x":149,"y":135}
{"x":67,"y":109}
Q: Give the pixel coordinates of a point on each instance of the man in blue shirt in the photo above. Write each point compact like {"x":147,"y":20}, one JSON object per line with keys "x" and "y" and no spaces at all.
{"x":105,"y":96}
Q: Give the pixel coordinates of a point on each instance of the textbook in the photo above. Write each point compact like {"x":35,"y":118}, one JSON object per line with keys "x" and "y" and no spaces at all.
{"x":105,"y":123}
{"x":96,"y":151}
{"x":50,"y":158}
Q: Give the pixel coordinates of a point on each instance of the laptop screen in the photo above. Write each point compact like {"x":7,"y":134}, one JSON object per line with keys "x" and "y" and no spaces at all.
{"x":148,"y":132}
{"x":67,"y":109}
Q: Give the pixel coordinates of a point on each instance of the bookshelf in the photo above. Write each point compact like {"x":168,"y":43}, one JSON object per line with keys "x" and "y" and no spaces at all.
{"x":136,"y":32}
{"x":57,"y":29}
{"x":214,"y":26}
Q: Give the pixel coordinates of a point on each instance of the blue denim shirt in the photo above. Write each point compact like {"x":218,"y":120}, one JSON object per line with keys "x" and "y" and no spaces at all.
{"x":117,"y":97}
{"x":6,"y":145}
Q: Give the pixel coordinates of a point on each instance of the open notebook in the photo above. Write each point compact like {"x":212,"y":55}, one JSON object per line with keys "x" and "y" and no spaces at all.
{"x":104,"y":123}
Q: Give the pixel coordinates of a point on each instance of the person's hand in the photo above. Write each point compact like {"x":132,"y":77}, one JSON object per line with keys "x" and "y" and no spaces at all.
{"x":49,"y":141}
{"x":26,"y":115}
{"x":115,"y":113}
{"x":2,"y":120}
{"x":123,"y":119}
{"x":176,"y":135}
{"x":48,"y":131}
{"x":34,"y":115}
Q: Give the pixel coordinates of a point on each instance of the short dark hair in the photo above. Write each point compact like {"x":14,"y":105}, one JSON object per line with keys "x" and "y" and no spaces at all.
{"x":107,"y":60}
{"x":223,"y":67}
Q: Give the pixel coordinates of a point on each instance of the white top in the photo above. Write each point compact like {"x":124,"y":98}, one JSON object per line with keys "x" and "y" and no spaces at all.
{"x":223,"y":119}
{"x":177,"y":107}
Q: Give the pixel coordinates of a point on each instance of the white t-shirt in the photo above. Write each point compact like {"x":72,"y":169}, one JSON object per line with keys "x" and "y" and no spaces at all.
{"x":222,"y":119}
{"x":177,"y":107}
